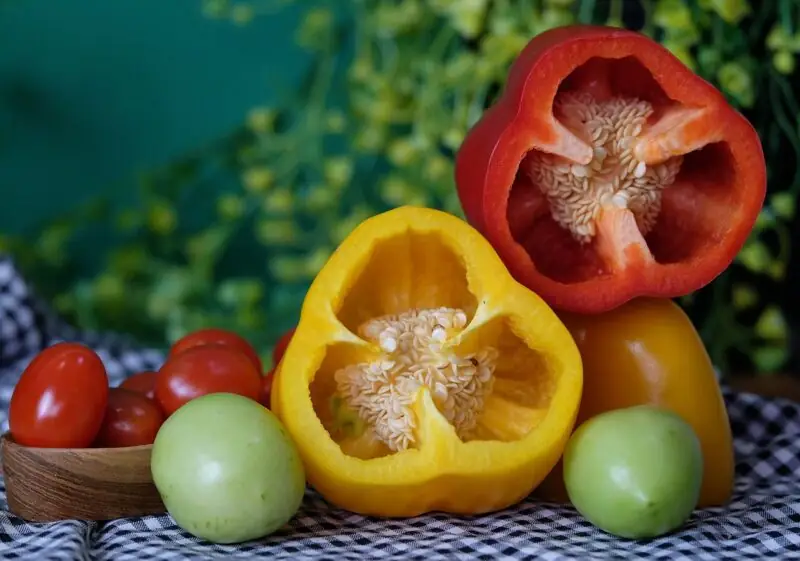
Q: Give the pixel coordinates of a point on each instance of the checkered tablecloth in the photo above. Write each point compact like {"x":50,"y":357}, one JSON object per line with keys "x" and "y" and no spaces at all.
{"x":762,"y":521}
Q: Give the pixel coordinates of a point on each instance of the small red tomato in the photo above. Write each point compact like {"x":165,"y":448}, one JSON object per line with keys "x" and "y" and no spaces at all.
{"x":203,"y":370}
{"x":214,"y":336}
{"x":266,"y":388}
{"x":280,"y":346}
{"x":60,"y":399}
{"x":143,"y":383}
{"x":131,"y":419}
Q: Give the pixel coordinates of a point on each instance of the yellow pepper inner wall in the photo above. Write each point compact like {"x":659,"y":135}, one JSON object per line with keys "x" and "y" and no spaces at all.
{"x":414,"y":270}
{"x":419,"y":270}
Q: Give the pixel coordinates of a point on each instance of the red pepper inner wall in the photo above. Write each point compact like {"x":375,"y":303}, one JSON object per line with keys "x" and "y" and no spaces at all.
{"x":695,"y":208}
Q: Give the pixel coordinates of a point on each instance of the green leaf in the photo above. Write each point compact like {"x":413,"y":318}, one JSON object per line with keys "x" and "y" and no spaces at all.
{"x":207,"y":246}
{"x":257,"y":179}
{"x":771,"y":325}
{"x":744,"y":297}
{"x":710,"y":58}
{"x":755,"y":256}
{"x":783,"y":204}
{"x":778,"y":38}
{"x":279,"y":201}
{"x":240,"y":292}
{"x":129,"y":220}
{"x":766,"y":219}
{"x":674,"y":15}
{"x":466,"y":16}
{"x":338,"y":170}
{"x":731,"y":11}
{"x":736,"y":81}
{"x":314,"y":28}
{"x":277,"y":232}
{"x":130,"y":260}
{"x":230,"y":206}
{"x":215,"y":9}
{"x":770,"y":358}
{"x":242,"y":14}
{"x":52,"y":242}
{"x":288,"y":268}
{"x":335,"y":122}
{"x":784,"y":61}
{"x":316,"y":260}
{"x":162,"y":218}
{"x":261,"y":119}
{"x":777,"y":270}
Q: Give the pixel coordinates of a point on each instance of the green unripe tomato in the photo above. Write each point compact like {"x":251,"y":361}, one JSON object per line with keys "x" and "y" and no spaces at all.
{"x":226,"y":469}
{"x":634,"y":472}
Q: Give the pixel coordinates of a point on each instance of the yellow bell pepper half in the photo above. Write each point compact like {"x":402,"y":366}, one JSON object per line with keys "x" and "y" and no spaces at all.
{"x":422,"y":377}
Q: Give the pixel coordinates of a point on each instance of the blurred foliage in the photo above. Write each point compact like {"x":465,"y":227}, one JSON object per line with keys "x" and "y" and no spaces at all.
{"x":391,"y":91}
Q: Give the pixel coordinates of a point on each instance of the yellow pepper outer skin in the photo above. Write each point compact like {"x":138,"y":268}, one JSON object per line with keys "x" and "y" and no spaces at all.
{"x":648,"y":352}
{"x":442,"y":473}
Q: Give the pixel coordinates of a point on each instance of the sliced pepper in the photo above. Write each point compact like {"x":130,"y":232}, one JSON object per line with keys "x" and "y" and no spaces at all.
{"x":609,"y":170}
{"x":647,"y":352}
{"x":422,"y":376}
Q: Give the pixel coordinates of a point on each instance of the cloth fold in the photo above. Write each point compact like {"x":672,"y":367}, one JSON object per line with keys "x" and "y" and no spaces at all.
{"x":761,"y":522}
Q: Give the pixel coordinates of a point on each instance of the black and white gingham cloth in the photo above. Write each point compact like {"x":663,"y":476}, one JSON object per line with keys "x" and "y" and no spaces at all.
{"x":762,"y":521}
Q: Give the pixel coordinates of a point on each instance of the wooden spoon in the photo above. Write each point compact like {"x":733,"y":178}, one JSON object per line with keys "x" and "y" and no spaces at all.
{"x":49,"y":484}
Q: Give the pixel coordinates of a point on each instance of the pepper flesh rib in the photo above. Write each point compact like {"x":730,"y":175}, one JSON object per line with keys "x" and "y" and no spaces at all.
{"x":415,"y":354}
{"x":677,"y":132}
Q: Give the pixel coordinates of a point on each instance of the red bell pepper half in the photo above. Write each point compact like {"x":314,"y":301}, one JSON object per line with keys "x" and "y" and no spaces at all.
{"x":608,"y":170}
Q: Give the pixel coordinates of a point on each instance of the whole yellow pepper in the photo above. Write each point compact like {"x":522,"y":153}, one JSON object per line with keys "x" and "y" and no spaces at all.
{"x":648,"y":352}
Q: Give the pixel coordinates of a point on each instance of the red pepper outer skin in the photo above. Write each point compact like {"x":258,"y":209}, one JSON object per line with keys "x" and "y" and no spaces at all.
{"x":488,"y":160}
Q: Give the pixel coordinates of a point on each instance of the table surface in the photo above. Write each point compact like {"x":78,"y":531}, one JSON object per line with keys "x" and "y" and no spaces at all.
{"x":786,"y":386}
{"x":762,"y":519}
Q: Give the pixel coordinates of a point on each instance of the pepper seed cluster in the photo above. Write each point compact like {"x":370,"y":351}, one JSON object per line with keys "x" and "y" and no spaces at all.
{"x":614,"y":178}
{"x":382,"y":391}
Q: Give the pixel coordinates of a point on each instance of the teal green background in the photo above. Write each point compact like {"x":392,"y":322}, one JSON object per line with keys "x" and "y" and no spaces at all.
{"x":93,"y":92}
